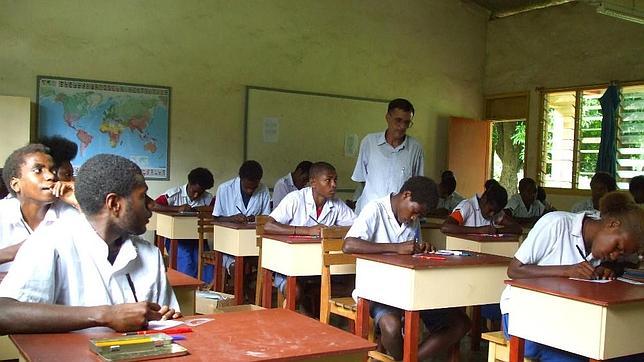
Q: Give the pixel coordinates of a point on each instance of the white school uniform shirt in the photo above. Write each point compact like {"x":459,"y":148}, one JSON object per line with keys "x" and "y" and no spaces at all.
{"x":552,"y":241}
{"x":229,"y":199}
{"x":13,"y":227}
{"x":449,"y":202}
{"x":377,"y":223}
{"x":471,"y":213}
{"x":298,"y":209}
{"x":383,"y":168}
{"x":283,"y":187}
{"x":586,"y":205}
{"x":66,"y":263}
{"x":178,"y":196}
{"x":515,"y":203}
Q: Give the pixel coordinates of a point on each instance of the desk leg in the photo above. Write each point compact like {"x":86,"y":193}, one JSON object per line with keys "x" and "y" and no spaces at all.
{"x":362,"y":318}
{"x":220,"y":272}
{"x":291,"y":291}
{"x":174,"y":246}
{"x":160,"y":241}
{"x":238,"y":285}
{"x":475,"y":332}
{"x":517,"y":346}
{"x":267,"y":289}
{"x":410,"y":343}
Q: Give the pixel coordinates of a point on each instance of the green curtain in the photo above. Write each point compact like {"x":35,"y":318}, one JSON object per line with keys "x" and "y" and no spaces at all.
{"x":607,"y":159}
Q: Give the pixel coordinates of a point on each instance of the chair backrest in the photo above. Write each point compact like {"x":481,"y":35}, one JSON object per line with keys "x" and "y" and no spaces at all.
{"x":260,"y":221}
{"x":204,"y":221}
{"x":332,"y":240}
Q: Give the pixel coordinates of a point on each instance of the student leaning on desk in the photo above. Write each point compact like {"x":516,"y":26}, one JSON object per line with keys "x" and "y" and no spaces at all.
{"x":91,"y":270}
{"x":564,"y":244}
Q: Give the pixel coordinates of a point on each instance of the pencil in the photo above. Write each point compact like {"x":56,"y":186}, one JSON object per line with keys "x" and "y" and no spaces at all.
{"x":317,"y":222}
{"x":581,"y":253}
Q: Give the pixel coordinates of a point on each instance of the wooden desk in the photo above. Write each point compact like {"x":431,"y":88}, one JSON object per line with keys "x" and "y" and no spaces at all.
{"x":415,"y":284}
{"x":598,"y":321}
{"x":175,"y":226}
{"x":238,"y":240}
{"x":431,"y":232}
{"x":7,"y":349}
{"x":293,"y":256}
{"x":506,"y":245}
{"x":185,"y":288}
{"x":265,"y":335}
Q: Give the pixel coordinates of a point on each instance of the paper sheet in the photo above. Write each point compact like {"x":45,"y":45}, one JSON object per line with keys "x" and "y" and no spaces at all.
{"x":601,"y":281}
{"x":161,"y":325}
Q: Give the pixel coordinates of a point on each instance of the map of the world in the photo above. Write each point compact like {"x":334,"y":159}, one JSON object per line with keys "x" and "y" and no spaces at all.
{"x":124,"y":119}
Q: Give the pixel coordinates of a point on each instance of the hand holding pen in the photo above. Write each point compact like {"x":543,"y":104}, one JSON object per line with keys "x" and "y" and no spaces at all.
{"x":581,"y":270}
{"x":243,"y":215}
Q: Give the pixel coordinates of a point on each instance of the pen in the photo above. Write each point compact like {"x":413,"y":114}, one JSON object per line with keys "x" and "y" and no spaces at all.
{"x":317,"y":222}
{"x":166,"y":331}
{"x":430,"y":257}
{"x":240,"y":211}
{"x":581,"y":253}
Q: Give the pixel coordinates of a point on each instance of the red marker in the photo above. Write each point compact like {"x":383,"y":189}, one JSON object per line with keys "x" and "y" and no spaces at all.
{"x":166,"y":331}
{"x":430,"y":257}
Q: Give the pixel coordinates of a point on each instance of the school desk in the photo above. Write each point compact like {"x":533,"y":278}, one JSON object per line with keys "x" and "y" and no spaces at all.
{"x":175,"y":226}
{"x":7,"y":349}
{"x":503,"y":244}
{"x":185,"y":288}
{"x":598,"y":321}
{"x":414,"y":284}
{"x":240,"y":241}
{"x":431,"y":233}
{"x":293,"y":256}
{"x":264,"y":335}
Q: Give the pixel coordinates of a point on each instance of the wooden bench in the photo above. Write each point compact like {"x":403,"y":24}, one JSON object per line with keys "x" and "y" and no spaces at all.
{"x":499,"y":348}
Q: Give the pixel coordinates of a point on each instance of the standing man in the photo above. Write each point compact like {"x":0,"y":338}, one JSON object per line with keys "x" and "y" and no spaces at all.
{"x":388,"y":159}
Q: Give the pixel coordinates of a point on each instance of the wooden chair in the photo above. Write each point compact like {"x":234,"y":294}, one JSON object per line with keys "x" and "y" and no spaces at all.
{"x":204,"y":227}
{"x":499,"y":348}
{"x":260,"y":220}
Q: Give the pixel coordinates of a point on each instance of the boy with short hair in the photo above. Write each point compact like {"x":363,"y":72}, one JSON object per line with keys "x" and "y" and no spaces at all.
{"x":448,"y":198}
{"x":91,"y":270}
{"x":636,"y":188}
{"x":524,"y":206}
{"x":600,"y":184}
{"x":294,"y":181}
{"x":391,"y":225}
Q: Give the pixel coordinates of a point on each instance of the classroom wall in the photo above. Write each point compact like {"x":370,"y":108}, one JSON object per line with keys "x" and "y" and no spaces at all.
{"x":430,"y":52}
{"x":561,"y":46}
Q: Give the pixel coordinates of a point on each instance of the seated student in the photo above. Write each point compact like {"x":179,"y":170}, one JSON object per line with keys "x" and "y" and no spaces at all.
{"x":541,"y":196}
{"x":524,"y":206}
{"x":91,"y":269}
{"x":448,"y":198}
{"x":391,"y":225}
{"x":563,"y":244}
{"x":28,"y":172}
{"x":306,"y":211}
{"x":636,"y":188}
{"x":241,"y":199}
{"x":482,"y":215}
{"x":294,"y":181}
{"x":600,"y":184}
{"x":188,"y":197}
{"x":63,"y":151}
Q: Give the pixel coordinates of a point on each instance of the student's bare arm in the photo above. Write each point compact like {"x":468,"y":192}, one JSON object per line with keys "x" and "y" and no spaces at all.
{"x":510,"y":226}
{"x":359,"y":246}
{"x":274,"y":227}
{"x":20,"y":317}
{"x":518,"y":270}
{"x":451,"y":226}
{"x":9,"y":253}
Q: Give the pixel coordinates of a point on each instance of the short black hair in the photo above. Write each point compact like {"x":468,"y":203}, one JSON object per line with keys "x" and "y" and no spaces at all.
{"x":320,"y":167}
{"x":527,"y":182}
{"x":202,"y":177}
{"x":400,"y":103}
{"x":541,"y":194}
{"x":60,"y":148}
{"x":4,"y":190}
{"x":251,"y":170}
{"x":496,"y":195}
{"x":104,"y":174}
{"x":449,"y":182}
{"x":605,"y":179}
{"x":423,"y":191}
{"x":16,"y":159}
{"x":447,"y":173}
{"x":490,"y":182}
{"x":637,"y":183}
{"x":304,"y":166}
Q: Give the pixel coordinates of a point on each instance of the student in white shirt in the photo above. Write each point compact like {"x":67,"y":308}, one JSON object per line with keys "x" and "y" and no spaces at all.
{"x":294,"y":181}
{"x":92,"y":270}
{"x":636,"y":188}
{"x":555,"y":245}
{"x":391,"y":225}
{"x":524,"y":206}
{"x":448,"y":198}
{"x":305,"y":212}
{"x":600,"y":184}
{"x":38,"y":198}
{"x":387,"y":159}
{"x":482,"y":215}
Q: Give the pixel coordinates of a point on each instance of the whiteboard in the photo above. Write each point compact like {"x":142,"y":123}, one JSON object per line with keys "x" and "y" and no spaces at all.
{"x":284,"y":127}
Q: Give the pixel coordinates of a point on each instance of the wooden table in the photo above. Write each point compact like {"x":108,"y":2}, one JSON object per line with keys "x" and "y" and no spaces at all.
{"x":175,"y":226}
{"x":293,"y":256}
{"x":265,"y":335}
{"x":185,"y":288}
{"x":415,"y":284}
{"x":7,"y":349}
{"x":431,"y":232}
{"x":503,"y":245}
{"x":238,"y":240}
{"x":598,"y":321}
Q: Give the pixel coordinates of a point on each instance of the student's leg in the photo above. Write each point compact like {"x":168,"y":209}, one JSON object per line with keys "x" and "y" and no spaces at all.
{"x":446,"y":327}
{"x":186,"y":261}
{"x":389,"y":321}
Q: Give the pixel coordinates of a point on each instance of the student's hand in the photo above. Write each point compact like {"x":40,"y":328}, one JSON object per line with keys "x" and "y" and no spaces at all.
{"x":239,"y":218}
{"x":250,"y":218}
{"x":582,"y":270}
{"x":407,"y":248}
{"x":312,"y":230}
{"x":430,"y":248}
{"x":169,"y":313}
{"x":602,"y":272}
{"x":64,"y":190}
{"x":132,"y":316}
{"x":184,"y":208}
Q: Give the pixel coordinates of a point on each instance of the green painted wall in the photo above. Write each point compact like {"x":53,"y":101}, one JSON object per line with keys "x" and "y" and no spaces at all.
{"x":431,"y":52}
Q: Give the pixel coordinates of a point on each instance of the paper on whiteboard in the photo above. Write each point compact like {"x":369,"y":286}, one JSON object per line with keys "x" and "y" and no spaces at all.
{"x":351,"y":145}
{"x":271,"y":130}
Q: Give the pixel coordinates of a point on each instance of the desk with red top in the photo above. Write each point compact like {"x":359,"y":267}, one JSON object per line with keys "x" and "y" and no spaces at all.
{"x":293,"y":256}
{"x":502,"y":244}
{"x":265,"y":335}
{"x":598,"y":321}
{"x":184,"y":287}
{"x":175,"y":226}
{"x":240,"y":241}
{"x":414,"y":284}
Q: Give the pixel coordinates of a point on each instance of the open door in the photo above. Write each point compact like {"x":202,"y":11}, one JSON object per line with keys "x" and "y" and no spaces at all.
{"x":469,"y":144}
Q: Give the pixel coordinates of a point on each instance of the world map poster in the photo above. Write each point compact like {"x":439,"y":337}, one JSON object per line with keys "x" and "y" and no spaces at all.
{"x":129,"y":120}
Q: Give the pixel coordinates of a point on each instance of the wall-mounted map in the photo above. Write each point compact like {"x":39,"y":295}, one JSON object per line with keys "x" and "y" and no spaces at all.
{"x":130,"y":120}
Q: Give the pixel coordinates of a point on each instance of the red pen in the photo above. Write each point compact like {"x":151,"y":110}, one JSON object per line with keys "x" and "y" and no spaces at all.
{"x":166,"y":331}
{"x":430,"y":257}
